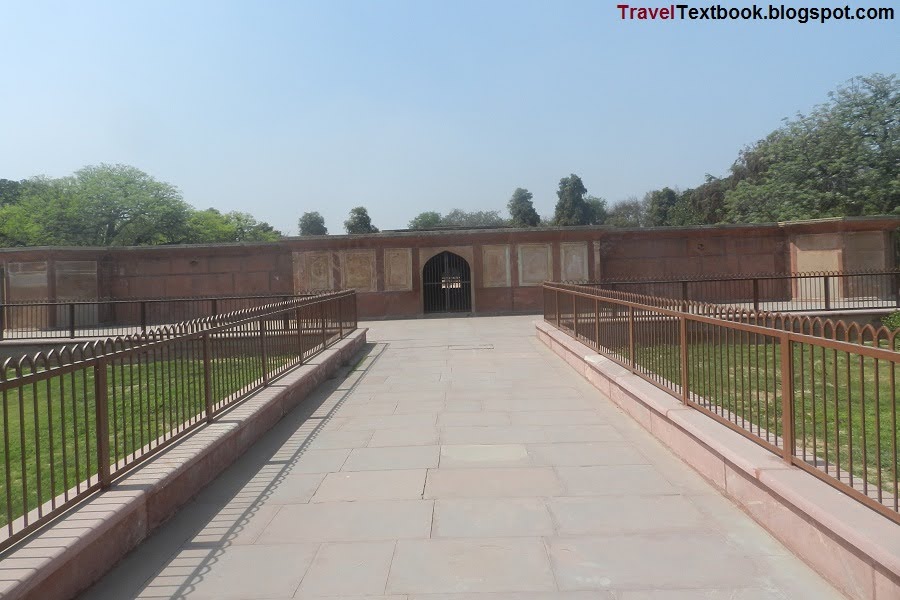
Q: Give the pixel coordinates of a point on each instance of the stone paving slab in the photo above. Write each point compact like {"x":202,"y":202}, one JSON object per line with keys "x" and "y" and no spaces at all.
{"x":462,"y":460}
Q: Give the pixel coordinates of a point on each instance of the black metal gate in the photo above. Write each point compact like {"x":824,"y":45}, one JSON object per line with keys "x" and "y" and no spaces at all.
{"x":447,"y":284}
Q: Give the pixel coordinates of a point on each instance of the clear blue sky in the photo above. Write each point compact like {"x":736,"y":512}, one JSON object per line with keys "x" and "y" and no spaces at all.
{"x":277,"y":108}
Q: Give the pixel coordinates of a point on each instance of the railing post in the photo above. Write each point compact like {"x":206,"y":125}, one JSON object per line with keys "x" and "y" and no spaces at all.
{"x":3,"y":319}
{"x":207,"y":379}
{"x":299,"y":336}
{"x":324,"y":333}
{"x":631,"y":336}
{"x":787,"y":399}
{"x":340,"y":303}
{"x":143,"y":317}
{"x":896,"y":290}
{"x":575,"y":316}
{"x":265,"y":358}
{"x":101,"y":404}
{"x":827,"y":281}
{"x":597,"y":323}
{"x":755,"y":293}
{"x":684,"y":296}
{"x":685,"y":380}
{"x":557,"y":308}
{"x":215,"y":307}
{"x":72,"y":320}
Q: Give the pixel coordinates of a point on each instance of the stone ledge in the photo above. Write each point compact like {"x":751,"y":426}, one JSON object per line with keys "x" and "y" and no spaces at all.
{"x":854,"y":548}
{"x":76,"y":549}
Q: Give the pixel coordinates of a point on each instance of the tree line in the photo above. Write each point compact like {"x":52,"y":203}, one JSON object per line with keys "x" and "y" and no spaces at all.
{"x":114,"y":205}
{"x":841,"y":159}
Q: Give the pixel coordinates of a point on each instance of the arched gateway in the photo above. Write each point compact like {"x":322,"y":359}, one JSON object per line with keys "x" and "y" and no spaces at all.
{"x":447,"y":284}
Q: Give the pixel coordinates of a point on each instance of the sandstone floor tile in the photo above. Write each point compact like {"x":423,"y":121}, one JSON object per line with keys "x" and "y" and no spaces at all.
{"x":581,"y":433}
{"x":491,"y":517}
{"x":453,"y":406}
{"x":753,"y":593}
{"x":518,"y":596}
{"x":235,"y":525}
{"x":410,"y":421}
{"x":339,"y":439}
{"x":349,"y":521}
{"x":465,"y":419}
{"x":391,"y":458}
{"x":492,"y":482}
{"x":493,"y":434}
{"x":371,"y":485}
{"x":367,"y":409}
{"x":489,"y":565}
{"x":293,"y":488}
{"x":519,"y":402}
{"x":235,"y":573}
{"x":743,"y":533}
{"x":625,"y":514}
{"x":349,"y":568}
{"x":614,"y":480}
{"x":556,"y":417}
{"x":418,"y":436}
{"x":622,"y":562}
{"x":484,"y":455}
{"x":580,"y":454}
{"x":302,"y":596}
{"x":320,"y":461}
{"x":418,"y":406}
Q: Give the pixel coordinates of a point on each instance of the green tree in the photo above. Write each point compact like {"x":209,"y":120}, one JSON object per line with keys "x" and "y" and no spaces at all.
{"x":521,"y":209}
{"x":703,"y":205}
{"x":312,"y":223}
{"x":479,"y":218}
{"x":571,"y":208}
{"x":659,"y":203}
{"x":210,"y":227}
{"x":119,"y":205}
{"x":842,"y":159}
{"x":104,"y":205}
{"x":359,"y":221}
{"x":597,"y":213}
{"x":248,"y":229}
{"x":628,"y":213}
{"x":9,"y":191}
{"x":426,"y":220}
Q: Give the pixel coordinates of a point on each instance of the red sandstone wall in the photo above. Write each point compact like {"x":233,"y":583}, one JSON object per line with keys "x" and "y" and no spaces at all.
{"x":507,"y":266}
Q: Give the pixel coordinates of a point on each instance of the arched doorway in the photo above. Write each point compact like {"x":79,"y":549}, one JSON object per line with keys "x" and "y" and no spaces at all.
{"x":447,"y":284}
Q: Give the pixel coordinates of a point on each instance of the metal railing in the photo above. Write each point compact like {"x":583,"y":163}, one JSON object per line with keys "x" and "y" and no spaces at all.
{"x":821,"y":394}
{"x":75,"y":419}
{"x":102,"y":318}
{"x":784,"y":292}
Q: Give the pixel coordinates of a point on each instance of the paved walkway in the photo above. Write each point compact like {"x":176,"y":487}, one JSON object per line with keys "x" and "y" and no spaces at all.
{"x":460,"y":460}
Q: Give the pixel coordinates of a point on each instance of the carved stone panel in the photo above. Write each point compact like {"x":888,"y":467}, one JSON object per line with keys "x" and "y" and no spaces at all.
{"x":535,"y":264}
{"x":574,"y":261}
{"x":27,"y":281}
{"x":76,"y":279}
{"x":358,"y":270}
{"x":495,"y":266}
{"x":398,"y":269}
{"x":313,"y":271}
